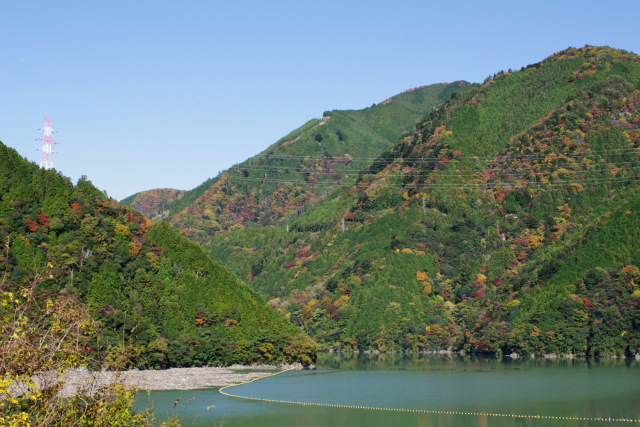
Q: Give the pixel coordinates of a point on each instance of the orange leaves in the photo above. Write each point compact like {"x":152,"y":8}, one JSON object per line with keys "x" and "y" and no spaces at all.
{"x":500,"y":195}
{"x":521,"y":256}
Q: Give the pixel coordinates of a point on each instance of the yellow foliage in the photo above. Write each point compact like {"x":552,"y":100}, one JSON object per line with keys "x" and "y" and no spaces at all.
{"x":437,"y":330}
{"x":511,"y":304}
{"x":577,"y":187}
{"x":342,"y":301}
{"x":122,"y":230}
{"x":274,"y":302}
{"x":407,"y":251}
{"x":355,"y":281}
{"x":421,"y":276}
{"x":394,"y":306}
{"x":405,"y":195}
{"x":152,"y":258}
{"x":134,"y":249}
{"x":534,"y":241}
{"x":420,"y":253}
{"x":326,"y":302}
{"x":426,"y":288}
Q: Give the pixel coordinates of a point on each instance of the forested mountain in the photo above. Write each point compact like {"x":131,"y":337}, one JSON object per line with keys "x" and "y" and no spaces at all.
{"x":300,"y":169}
{"x":508,"y":221}
{"x":152,"y":203}
{"x":161,"y":299}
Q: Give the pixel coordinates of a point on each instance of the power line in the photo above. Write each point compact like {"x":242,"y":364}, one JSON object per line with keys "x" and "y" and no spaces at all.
{"x":434,"y":159}
{"x":432,"y":185}
{"x":366,"y":171}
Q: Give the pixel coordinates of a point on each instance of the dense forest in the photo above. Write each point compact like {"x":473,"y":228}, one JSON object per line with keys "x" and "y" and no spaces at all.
{"x":297,"y":171}
{"x":507,"y":221}
{"x":160,"y":300}
{"x":504,"y":220}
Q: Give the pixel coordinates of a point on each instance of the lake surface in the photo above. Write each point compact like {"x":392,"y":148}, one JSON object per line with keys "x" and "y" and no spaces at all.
{"x":594,"y":388}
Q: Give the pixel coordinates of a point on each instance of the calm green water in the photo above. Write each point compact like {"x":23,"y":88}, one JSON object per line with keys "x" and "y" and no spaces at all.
{"x":579,"y":388}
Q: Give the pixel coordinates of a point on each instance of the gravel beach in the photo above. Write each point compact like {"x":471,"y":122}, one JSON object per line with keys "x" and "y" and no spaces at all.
{"x":170,"y":379}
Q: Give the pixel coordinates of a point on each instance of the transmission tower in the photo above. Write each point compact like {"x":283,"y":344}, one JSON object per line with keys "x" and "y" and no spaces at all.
{"x":47,"y":153}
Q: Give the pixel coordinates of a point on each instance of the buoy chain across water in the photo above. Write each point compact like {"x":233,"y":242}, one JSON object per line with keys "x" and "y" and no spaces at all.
{"x":424,"y":411}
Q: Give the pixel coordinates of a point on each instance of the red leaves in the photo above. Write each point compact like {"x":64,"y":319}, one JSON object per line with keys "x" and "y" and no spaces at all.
{"x":586,"y":304}
{"x":521,"y":242}
{"x":478,"y":294}
{"x":32,"y":226}
{"x":43,"y":220}
{"x":75,"y":208}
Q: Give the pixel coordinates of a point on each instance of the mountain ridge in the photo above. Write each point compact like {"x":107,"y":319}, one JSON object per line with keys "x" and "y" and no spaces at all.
{"x":455,"y":236}
{"x":243,"y":196}
{"x":161,"y":300}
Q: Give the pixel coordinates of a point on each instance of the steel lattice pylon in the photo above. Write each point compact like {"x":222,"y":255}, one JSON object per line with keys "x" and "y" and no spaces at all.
{"x":47,"y":152}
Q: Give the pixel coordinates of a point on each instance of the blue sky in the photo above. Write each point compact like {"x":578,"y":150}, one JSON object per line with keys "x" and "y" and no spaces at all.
{"x":155,"y":94}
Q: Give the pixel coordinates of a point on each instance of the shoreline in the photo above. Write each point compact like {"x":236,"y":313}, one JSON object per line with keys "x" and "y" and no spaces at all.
{"x":168,"y":379}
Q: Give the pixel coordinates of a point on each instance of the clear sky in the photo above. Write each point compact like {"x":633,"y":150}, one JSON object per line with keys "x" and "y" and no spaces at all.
{"x":156,"y":94}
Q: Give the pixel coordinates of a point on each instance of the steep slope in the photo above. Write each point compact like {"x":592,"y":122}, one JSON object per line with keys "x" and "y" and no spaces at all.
{"x":161,"y":299}
{"x":300,"y":169}
{"x":508,"y":221}
{"x":152,"y":203}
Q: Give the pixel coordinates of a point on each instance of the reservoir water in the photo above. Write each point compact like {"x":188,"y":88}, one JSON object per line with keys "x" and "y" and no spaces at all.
{"x":396,"y":384}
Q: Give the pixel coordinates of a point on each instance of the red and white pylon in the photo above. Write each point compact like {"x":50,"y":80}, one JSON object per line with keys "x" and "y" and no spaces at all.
{"x":47,"y":152}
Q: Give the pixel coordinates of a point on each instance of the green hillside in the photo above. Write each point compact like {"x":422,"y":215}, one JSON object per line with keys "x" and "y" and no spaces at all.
{"x":162,"y":301}
{"x":300,"y":169}
{"x":506,"y":222}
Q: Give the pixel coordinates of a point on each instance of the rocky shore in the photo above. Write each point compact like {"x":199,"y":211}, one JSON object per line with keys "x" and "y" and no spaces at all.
{"x":168,"y":379}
